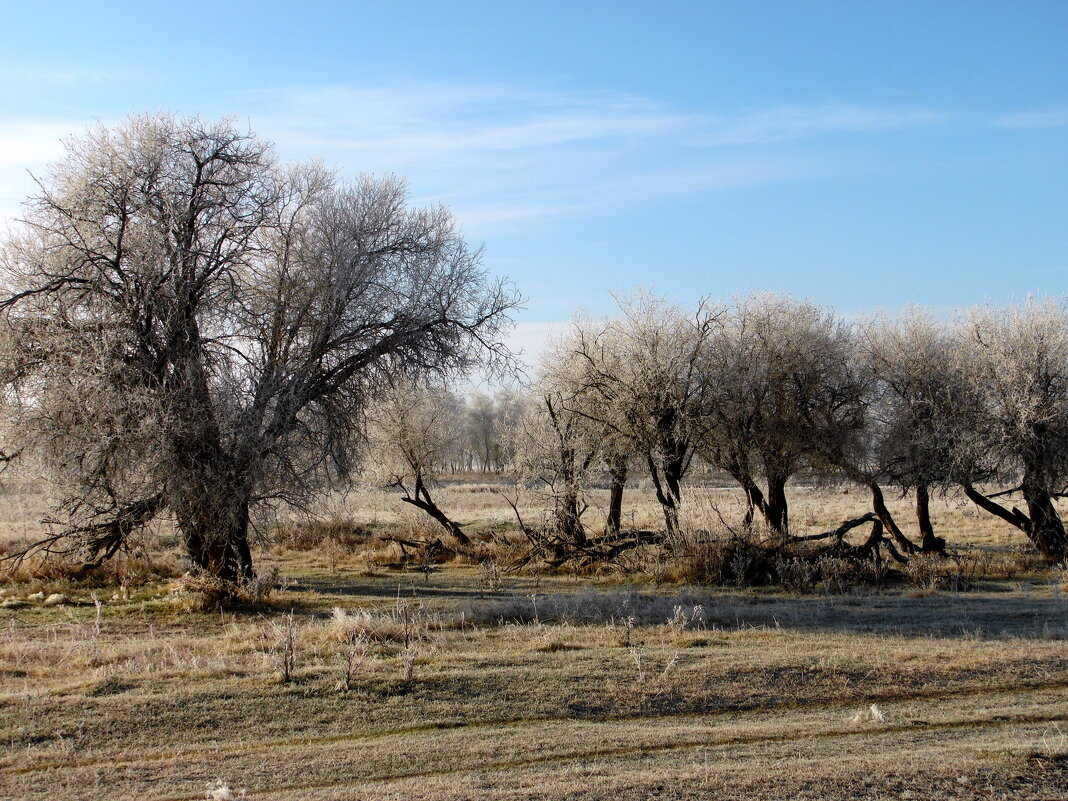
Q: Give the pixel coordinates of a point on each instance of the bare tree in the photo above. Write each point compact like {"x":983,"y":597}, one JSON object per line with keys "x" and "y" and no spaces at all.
{"x":509,"y":406}
{"x":1018,"y":360}
{"x":781,"y":394}
{"x":564,"y":382}
{"x":562,"y":445}
{"x":193,"y":330}
{"x":640,"y":378}
{"x":412,"y":430}
{"x":486,"y":420}
{"x":556,"y":450}
{"x":480,"y":422}
{"x":921,"y":414}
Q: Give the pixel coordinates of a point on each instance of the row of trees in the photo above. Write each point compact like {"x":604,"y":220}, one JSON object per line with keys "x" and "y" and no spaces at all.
{"x":769,"y":388}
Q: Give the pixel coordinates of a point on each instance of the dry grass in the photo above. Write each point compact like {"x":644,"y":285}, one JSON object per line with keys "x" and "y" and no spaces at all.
{"x":464,"y":683}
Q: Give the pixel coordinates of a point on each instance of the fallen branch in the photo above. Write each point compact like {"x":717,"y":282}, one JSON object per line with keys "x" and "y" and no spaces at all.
{"x":841,"y":531}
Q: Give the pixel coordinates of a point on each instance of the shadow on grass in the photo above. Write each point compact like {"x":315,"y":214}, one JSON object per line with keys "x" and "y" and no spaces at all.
{"x":995,"y":611}
{"x":982,"y":615}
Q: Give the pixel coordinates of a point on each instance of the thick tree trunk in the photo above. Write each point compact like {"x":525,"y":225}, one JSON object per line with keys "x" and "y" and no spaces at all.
{"x":776,"y":510}
{"x":668,"y":494}
{"x":1042,"y":524}
{"x":1047,"y":528}
{"x":618,"y":474}
{"x":880,"y":509}
{"x":217,"y":540}
{"x":209,"y":487}
{"x":569,"y":520}
{"x":754,"y":499}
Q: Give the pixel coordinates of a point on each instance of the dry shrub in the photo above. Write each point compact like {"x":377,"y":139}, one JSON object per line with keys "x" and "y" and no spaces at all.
{"x":959,"y":572}
{"x":385,"y":551}
{"x":489,"y":576}
{"x":306,"y":535}
{"x":703,"y":562}
{"x":924,"y":571}
{"x":741,"y":559}
{"x":198,"y":590}
{"x":407,"y":627}
{"x":797,"y":575}
{"x":351,"y":647}
{"x":755,"y":557}
{"x":403,"y":625}
{"x":423,"y":543}
{"x":367,"y":624}
{"x":279,"y":641}
{"x":837,"y":574}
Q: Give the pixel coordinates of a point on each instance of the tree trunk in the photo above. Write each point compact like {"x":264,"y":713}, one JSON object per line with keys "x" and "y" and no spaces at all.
{"x":1046,"y":529}
{"x":209,"y":488}
{"x":929,"y":543}
{"x":776,"y":510}
{"x":1042,"y":524}
{"x":669,"y":499}
{"x":568,"y":520}
{"x":421,"y":500}
{"x":754,"y":498}
{"x":217,"y":540}
{"x":618,"y":473}
{"x":880,"y":509}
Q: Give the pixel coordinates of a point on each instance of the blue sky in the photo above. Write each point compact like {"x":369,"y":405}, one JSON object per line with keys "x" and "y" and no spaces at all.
{"x":862,"y":154}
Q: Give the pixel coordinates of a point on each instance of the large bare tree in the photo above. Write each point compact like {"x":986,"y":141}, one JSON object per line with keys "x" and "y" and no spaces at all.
{"x":192,"y":330}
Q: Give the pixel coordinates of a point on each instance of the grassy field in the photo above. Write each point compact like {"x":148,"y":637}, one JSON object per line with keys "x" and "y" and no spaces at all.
{"x":467,"y":682}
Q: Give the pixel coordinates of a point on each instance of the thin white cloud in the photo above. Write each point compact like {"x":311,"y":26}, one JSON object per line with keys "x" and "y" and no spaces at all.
{"x":1055,"y":117}
{"x":500,"y":154}
{"x":20,"y":77}
{"x":612,"y":191}
{"x":419,"y":124}
{"x":506,"y":211}
{"x":787,"y":123}
{"x":426,"y":122}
